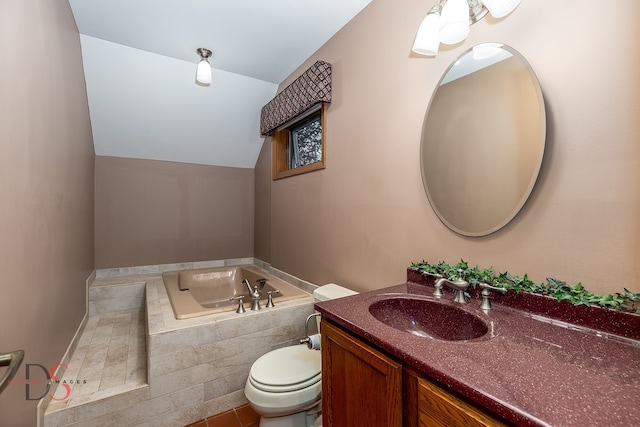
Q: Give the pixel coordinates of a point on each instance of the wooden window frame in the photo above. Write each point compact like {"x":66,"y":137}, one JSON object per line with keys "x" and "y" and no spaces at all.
{"x":280,"y":144}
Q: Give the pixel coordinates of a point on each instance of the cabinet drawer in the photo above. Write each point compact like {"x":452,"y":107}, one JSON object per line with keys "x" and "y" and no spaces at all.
{"x":437,"y":408}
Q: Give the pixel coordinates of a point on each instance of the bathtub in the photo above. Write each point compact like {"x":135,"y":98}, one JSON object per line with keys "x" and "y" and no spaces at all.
{"x":207,"y":291}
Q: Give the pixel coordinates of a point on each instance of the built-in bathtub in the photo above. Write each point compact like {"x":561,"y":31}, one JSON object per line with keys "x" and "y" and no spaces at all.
{"x":201,"y":292}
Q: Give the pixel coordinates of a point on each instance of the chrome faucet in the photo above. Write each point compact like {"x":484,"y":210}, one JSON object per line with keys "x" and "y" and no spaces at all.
{"x":254,"y":294}
{"x":459,"y":287}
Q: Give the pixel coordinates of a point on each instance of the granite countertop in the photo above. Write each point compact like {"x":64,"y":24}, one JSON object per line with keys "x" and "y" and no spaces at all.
{"x":530,"y":368}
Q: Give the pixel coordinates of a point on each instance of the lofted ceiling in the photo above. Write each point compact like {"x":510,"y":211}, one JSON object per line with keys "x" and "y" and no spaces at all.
{"x":140,"y":59}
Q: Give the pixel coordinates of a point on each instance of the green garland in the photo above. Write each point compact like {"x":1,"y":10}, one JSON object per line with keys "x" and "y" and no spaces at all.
{"x":561,"y":291}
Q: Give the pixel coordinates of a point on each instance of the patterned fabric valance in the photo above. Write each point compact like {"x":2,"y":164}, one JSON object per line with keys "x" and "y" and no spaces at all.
{"x":312,"y":87}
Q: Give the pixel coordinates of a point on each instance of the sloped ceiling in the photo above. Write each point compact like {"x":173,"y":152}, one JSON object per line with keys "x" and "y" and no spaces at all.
{"x":140,"y":60}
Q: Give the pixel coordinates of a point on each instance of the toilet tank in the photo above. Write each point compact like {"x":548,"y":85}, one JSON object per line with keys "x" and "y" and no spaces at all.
{"x":331,"y":291}
{"x":327,"y":292}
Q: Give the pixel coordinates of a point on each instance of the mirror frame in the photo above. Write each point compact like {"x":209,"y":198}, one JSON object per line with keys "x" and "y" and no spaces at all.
{"x":501,"y":222}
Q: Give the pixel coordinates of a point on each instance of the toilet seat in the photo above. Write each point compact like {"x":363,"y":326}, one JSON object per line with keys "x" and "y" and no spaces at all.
{"x":286,"y":369}
{"x":285,"y":381}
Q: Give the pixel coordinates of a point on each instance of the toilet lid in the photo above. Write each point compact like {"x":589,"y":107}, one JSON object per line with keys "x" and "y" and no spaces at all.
{"x":286,"y":369}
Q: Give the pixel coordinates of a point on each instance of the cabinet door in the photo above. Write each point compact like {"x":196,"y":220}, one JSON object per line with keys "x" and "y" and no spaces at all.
{"x":360,"y":385}
{"x":437,"y":408}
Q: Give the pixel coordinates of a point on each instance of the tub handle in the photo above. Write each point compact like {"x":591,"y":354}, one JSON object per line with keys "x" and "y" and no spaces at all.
{"x":240,"y":299}
{"x":12,"y":360}
{"x":270,"y":297}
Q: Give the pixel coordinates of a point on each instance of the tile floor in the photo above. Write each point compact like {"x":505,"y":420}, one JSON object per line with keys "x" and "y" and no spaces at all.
{"x":243,"y":416}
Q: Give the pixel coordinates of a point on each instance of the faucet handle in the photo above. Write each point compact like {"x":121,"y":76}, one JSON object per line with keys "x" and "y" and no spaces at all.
{"x":240,"y":299}
{"x":270,"y":297}
{"x":486,"y":294}
{"x":437,"y":292}
{"x":436,"y":283}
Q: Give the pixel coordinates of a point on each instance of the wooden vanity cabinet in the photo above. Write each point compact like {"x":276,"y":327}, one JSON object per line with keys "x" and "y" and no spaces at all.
{"x":360,"y":385}
{"x":363,"y":387}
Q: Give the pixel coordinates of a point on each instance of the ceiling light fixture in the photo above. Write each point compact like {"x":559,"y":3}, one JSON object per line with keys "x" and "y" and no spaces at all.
{"x":448,"y":21}
{"x":203,"y":72}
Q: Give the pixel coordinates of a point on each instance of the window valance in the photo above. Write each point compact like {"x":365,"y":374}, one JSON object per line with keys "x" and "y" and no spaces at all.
{"x":312,"y":87}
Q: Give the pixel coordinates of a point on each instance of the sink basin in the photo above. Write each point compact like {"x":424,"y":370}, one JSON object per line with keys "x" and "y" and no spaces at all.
{"x":430,"y":319}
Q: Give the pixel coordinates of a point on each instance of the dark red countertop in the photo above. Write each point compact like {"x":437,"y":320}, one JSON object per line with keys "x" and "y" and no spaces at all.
{"x":535,"y":367}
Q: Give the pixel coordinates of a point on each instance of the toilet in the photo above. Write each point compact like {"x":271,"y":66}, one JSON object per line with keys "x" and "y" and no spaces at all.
{"x":284,"y":385}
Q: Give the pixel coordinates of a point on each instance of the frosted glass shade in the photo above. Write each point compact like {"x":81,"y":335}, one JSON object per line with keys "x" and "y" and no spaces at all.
{"x":500,"y":8}
{"x":486,"y":50}
{"x":428,"y":38}
{"x":454,"y":25}
{"x":203,"y":73}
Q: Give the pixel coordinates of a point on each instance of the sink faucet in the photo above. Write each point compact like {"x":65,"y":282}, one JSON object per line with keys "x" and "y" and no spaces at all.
{"x":254,"y":294}
{"x":459,"y":286}
{"x":486,"y":288}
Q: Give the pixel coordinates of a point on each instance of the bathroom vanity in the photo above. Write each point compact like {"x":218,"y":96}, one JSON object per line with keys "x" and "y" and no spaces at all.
{"x":534,"y":363}
{"x":363,"y":386}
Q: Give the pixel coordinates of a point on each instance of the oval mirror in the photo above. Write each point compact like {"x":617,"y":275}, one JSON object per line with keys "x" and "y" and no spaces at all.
{"x":483,"y":140}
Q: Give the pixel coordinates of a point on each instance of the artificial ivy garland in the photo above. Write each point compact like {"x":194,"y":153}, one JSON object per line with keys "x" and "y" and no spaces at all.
{"x":561,"y":291}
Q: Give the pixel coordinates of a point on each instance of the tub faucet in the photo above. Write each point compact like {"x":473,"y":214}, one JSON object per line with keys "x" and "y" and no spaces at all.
{"x":254,"y":294}
{"x":459,"y":287}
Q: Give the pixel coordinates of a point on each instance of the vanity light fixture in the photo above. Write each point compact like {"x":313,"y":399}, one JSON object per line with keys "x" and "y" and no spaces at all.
{"x":203,"y":72}
{"x":448,"y":21}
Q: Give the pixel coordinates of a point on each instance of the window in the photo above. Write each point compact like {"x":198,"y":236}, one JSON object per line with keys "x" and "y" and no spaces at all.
{"x":299,"y":146}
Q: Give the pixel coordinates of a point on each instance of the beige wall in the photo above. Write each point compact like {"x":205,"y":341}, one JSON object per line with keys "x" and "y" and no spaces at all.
{"x":46,"y":190}
{"x":363,"y":219}
{"x":152,"y":212}
{"x":262,"y":221}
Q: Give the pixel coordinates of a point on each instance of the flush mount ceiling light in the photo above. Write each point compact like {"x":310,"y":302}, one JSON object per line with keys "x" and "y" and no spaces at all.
{"x":203,"y":72}
{"x":448,"y":21}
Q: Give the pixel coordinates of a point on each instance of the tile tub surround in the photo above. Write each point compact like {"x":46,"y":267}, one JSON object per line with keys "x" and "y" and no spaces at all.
{"x":161,"y":268}
{"x":535,"y":371}
{"x":216,"y":351}
{"x":192,"y":368}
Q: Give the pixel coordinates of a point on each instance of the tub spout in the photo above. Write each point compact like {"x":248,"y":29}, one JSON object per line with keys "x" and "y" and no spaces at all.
{"x":246,"y":282}
{"x":254,"y":294}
